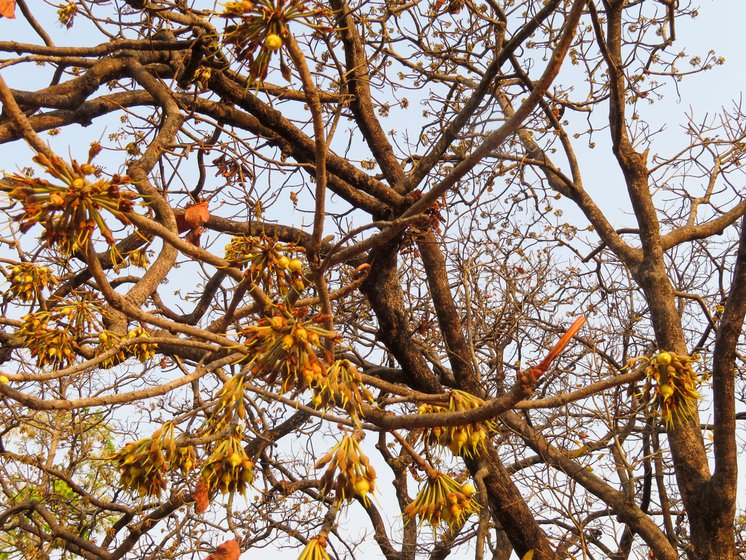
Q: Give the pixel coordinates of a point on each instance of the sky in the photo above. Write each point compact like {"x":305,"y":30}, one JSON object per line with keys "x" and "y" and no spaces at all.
{"x":719,"y":27}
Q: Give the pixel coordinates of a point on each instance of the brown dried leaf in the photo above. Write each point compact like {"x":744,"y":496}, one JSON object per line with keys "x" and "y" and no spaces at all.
{"x":229,"y":550}
{"x":8,"y":8}
{"x":201,"y":497}
{"x":196,"y":215}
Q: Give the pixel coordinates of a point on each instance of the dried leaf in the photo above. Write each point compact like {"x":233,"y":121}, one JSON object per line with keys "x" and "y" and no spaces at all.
{"x":229,"y":550}
{"x":8,"y":8}
{"x":196,"y":215}
{"x":201,"y":497}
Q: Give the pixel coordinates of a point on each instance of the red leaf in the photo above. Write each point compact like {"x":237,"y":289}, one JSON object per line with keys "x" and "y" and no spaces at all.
{"x":229,"y":550}
{"x":8,"y":8}
{"x":196,"y":215}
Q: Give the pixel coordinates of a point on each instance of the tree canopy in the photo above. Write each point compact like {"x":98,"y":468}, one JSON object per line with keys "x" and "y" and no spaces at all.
{"x":383,"y":278}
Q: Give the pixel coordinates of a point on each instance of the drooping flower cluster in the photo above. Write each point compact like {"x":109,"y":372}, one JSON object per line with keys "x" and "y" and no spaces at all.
{"x":144,"y":463}
{"x":230,"y":406}
{"x":53,"y":336}
{"x":184,"y":459}
{"x":465,"y":441}
{"x":69,"y":212}
{"x":261,"y":29}
{"x":342,"y":386}
{"x":285,"y":349}
{"x":269,"y":263}
{"x":142,"y":349}
{"x":51,"y":346}
{"x":442,"y":499}
{"x":315,"y":549}
{"x":675,"y":388}
{"x":228,"y":468}
{"x":27,"y":280}
{"x":356,"y":475}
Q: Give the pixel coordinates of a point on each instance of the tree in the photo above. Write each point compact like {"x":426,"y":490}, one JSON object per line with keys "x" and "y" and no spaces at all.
{"x":310,"y":264}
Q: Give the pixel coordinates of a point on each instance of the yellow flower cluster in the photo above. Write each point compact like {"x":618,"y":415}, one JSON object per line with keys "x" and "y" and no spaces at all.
{"x":184,"y":459}
{"x":228,"y":468}
{"x":70,"y":212}
{"x":229,"y":406}
{"x":443,"y":500}
{"x":261,"y":28}
{"x":142,"y":350}
{"x":315,"y":549}
{"x":27,"y":280}
{"x":342,"y":386}
{"x":465,"y":441}
{"x":675,"y":387}
{"x":144,"y":463}
{"x":285,"y":349}
{"x":53,"y":336}
{"x":356,"y":475}
{"x":51,"y":346}
{"x":271,"y":264}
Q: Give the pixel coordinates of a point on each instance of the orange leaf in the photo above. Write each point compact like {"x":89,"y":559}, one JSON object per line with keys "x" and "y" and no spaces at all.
{"x":8,"y":8}
{"x":564,"y":341}
{"x":201,"y":497}
{"x":196,"y":215}
{"x":229,"y":550}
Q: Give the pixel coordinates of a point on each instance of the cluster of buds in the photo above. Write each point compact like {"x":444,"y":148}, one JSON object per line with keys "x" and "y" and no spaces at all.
{"x":465,"y":441}
{"x":230,"y":405}
{"x":141,"y":350}
{"x":27,"y":280}
{"x":144,"y":463}
{"x":70,"y":212}
{"x":342,"y":386}
{"x":66,"y":14}
{"x":285,"y":349}
{"x":675,"y":388}
{"x":228,"y":469}
{"x":53,"y":336}
{"x":80,"y":315}
{"x":356,"y":475}
{"x":315,"y":549}
{"x":106,"y":341}
{"x":271,"y":264}
{"x":443,"y":499}
{"x":137,"y":257}
{"x":54,"y":347}
{"x":261,"y":29}
{"x":184,"y":458}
